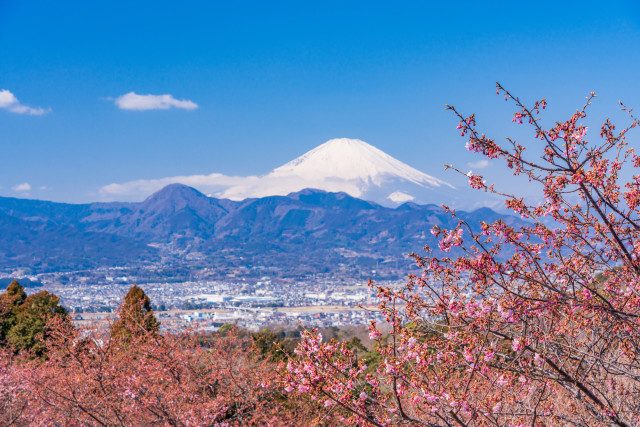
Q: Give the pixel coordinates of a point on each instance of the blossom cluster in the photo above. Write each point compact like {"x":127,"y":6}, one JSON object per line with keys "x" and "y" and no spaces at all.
{"x":537,"y":322}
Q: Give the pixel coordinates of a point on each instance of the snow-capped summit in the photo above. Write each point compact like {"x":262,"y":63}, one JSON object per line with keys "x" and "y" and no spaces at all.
{"x":352,"y":159}
{"x":340,"y":165}
{"x":348,"y":165}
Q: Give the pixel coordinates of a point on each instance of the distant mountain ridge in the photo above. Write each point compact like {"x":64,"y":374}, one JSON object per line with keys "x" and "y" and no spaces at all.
{"x":311,"y":229}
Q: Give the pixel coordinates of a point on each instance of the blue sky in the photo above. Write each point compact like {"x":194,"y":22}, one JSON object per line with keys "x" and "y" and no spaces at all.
{"x":272,"y":80}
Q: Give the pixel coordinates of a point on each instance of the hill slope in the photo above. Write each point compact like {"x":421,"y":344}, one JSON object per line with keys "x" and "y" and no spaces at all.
{"x":310,"y":230}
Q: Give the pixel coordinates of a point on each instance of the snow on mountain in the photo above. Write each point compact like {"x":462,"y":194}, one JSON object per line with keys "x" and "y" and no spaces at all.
{"x":339,"y":165}
{"x":348,"y":165}
{"x":400,"y":197}
{"x":352,"y":159}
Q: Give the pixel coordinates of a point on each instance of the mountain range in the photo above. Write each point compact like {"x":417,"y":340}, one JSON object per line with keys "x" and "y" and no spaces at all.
{"x":307,"y":231}
{"x":343,"y":207}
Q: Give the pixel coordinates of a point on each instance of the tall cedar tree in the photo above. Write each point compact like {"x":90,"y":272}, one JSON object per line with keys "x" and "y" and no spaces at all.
{"x":136,"y":316}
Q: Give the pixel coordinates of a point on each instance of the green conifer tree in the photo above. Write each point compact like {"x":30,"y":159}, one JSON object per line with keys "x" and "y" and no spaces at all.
{"x":29,"y":331}
{"x":12,"y":298}
{"x":23,"y":319}
{"x":15,"y":294}
{"x":136,"y":316}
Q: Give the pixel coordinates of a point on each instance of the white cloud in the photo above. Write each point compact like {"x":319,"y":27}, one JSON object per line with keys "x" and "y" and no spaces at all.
{"x":9,"y":102}
{"x":138,"y":190}
{"x":480,"y":164}
{"x":22,"y":188}
{"x":223,"y":186}
{"x":133,"y":101}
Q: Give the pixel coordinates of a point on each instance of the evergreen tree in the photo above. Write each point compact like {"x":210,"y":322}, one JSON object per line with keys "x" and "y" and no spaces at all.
{"x":136,"y":316}
{"x":29,"y":331}
{"x":13,"y":297}
{"x":15,"y":294}
{"x":23,"y":318}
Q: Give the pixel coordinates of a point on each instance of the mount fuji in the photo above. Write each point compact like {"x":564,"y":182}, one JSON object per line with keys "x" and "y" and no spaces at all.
{"x":351,"y":166}
{"x":340,"y":165}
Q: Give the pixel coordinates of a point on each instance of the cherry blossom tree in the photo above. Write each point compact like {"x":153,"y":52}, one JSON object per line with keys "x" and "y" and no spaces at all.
{"x":535,"y":324}
{"x":13,"y":389}
{"x":95,"y":377}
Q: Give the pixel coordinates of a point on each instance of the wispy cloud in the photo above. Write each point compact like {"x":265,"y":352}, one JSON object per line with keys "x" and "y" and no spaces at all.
{"x":22,"y":188}
{"x":224,"y":186}
{"x":138,"y":190}
{"x":9,"y":102}
{"x":133,"y":101}
{"x":480,"y":164}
